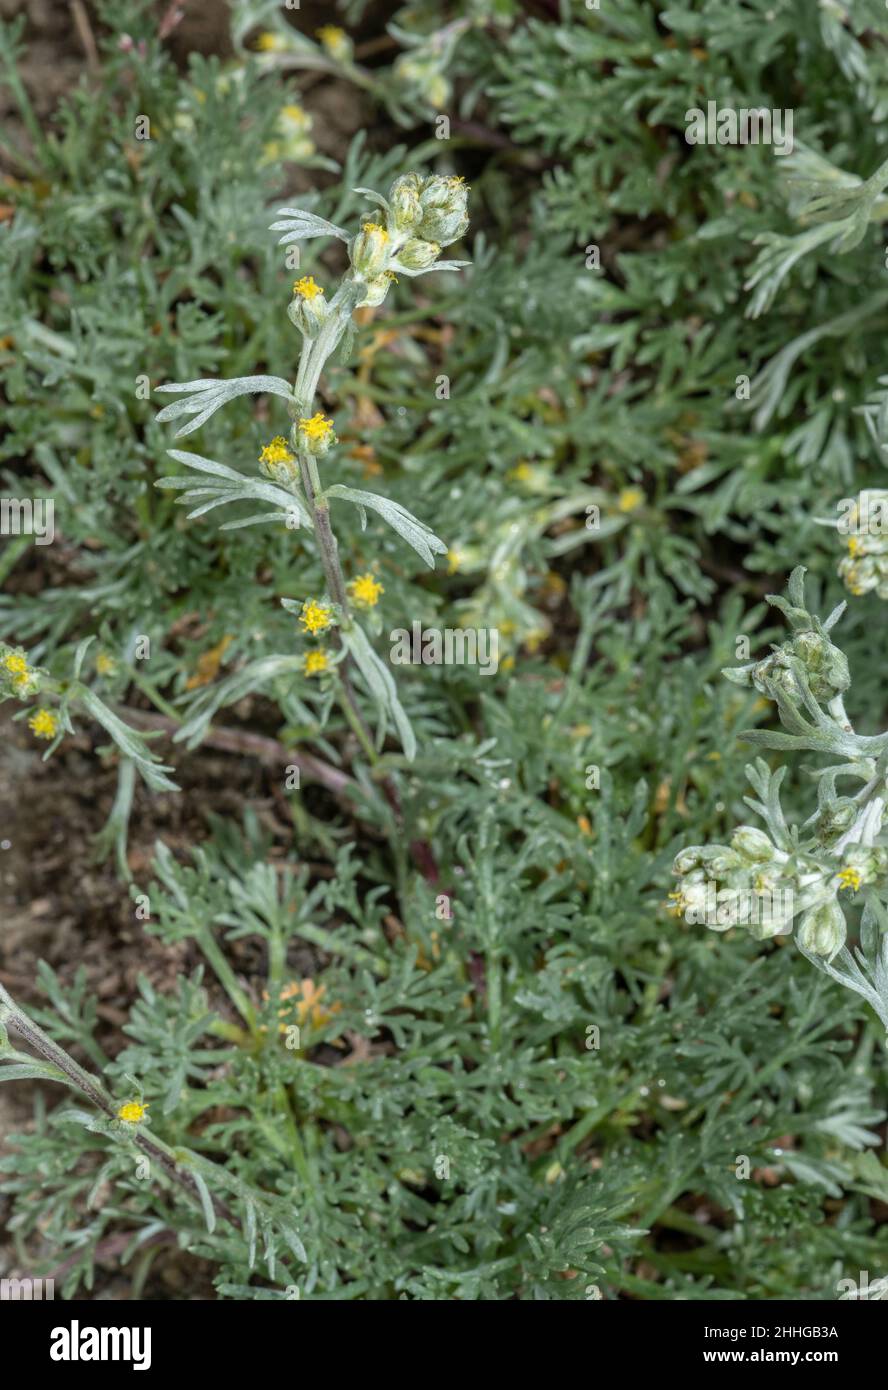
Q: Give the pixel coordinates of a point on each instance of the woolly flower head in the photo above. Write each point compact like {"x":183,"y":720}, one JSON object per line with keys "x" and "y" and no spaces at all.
{"x":850,"y":877}
{"x":365,"y":591}
{"x":316,"y":432}
{"x":315,"y":617}
{"x":278,"y":451}
{"x":16,"y":664}
{"x":267,"y":42}
{"x":308,"y":309}
{"x":293,"y":120}
{"x":278,"y":462}
{"x":317,"y":663}
{"x":43,"y":724}
{"x":306,"y":288}
{"x":132,"y":1112}
{"x":16,"y":676}
{"x":369,"y":250}
{"x":629,"y":499}
{"x":336,"y":42}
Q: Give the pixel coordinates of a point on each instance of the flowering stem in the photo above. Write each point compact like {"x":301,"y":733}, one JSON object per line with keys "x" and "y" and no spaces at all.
{"x":320,"y":516}
{"x":94,"y":1090}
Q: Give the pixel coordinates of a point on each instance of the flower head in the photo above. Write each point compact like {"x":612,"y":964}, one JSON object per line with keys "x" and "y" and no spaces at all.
{"x":336,"y":41}
{"x":369,"y":250}
{"x":315,"y":617}
{"x":317,"y":433}
{"x":16,"y":664}
{"x":132,"y":1111}
{"x":278,"y":451}
{"x":377,"y":289}
{"x":293,"y":118}
{"x":849,"y":877}
{"x":365,"y":591}
{"x":317,"y":663}
{"x":454,"y":560}
{"x":267,"y":42}
{"x":629,"y":499}
{"x":306,"y":288}
{"x":417,"y":254}
{"x":43,"y":724}
{"x":105,"y":664}
{"x":308,"y":309}
{"x":443,"y":200}
{"x":822,"y":930}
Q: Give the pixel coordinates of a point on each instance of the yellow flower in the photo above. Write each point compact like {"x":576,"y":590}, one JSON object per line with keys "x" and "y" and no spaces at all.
{"x":454,"y":559}
{"x":316,"y":663}
{"x":43,"y":724}
{"x":335,"y":40}
{"x":521,"y":473}
{"x":307,"y":288}
{"x":629,"y":499}
{"x":373,"y":227}
{"x":132,"y":1111}
{"x":850,"y":878}
{"x":676,"y":905}
{"x":315,"y":617}
{"x":293,"y":115}
{"x":270,"y":43}
{"x":365,"y":591}
{"x":317,"y":428}
{"x":105,"y":664}
{"x":16,"y":665}
{"x":277,"y":451}
{"x":855,"y":547}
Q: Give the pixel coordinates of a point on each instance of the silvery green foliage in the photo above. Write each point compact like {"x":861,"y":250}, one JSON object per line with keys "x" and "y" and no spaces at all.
{"x":809,"y":871}
{"x":416,"y":533}
{"x":232,"y":487}
{"x":301,"y":226}
{"x":835,"y":208}
{"x":421,"y":214}
{"x":418,"y":204}
{"x":204,"y":397}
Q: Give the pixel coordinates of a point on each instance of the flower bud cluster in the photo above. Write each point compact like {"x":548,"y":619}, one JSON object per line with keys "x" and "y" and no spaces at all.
{"x":423,"y":215}
{"x":825,"y":666}
{"x":17,"y":677}
{"x":753,"y":884}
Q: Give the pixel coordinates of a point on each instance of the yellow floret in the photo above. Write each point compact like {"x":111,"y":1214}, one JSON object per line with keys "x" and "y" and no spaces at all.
{"x":43,"y":724}
{"x":306,"y":288}
{"x":316,"y":663}
{"x":315,"y":617}
{"x":318,"y":427}
{"x":365,"y":591}
{"x":277,"y":451}
{"x":132,"y":1111}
